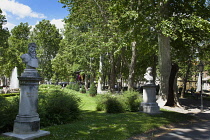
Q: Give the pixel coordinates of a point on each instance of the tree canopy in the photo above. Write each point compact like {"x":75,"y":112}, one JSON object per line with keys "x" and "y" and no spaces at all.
{"x":114,"y":41}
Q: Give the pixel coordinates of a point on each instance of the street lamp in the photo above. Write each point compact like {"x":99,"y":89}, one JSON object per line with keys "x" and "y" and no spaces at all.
{"x":201,"y":68}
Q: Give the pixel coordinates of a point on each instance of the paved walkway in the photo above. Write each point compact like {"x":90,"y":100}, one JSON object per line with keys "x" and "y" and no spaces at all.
{"x":197,"y":130}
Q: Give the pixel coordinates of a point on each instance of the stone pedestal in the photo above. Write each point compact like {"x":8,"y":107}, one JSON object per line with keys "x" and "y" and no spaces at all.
{"x":27,"y":122}
{"x":149,"y":99}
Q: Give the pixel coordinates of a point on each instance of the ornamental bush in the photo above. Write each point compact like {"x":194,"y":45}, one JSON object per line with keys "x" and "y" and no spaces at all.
{"x":76,"y":87}
{"x":132,"y":100}
{"x":83,"y":90}
{"x":113,"y":105}
{"x":129,"y":101}
{"x":58,"y":107}
{"x":100,"y":101}
{"x":110,"y":104}
{"x":8,"y":112}
{"x":93,"y":90}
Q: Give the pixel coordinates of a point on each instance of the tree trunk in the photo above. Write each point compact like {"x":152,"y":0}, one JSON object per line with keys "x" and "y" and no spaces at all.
{"x":154,"y":69}
{"x":170,"y":100}
{"x":86,"y":81}
{"x":112,"y":74}
{"x":176,"y":97}
{"x":132,"y":66}
{"x":185,"y":79}
{"x":99,"y":87}
{"x":165,"y":68}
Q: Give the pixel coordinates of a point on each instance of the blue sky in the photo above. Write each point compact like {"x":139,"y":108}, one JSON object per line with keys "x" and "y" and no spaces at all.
{"x":32,"y":11}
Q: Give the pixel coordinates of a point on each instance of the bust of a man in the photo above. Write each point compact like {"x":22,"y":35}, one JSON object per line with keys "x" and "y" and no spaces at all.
{"x":30,"y":58}
{"x":148,"y":75}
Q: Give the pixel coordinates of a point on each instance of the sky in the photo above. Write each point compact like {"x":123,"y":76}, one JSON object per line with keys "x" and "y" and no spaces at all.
{"x":33,"y":11}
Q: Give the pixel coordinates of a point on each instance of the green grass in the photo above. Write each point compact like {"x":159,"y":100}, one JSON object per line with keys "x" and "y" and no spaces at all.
{"x":88,"y":102}
{"x":95,"y":125}
{"x":102,"y":126}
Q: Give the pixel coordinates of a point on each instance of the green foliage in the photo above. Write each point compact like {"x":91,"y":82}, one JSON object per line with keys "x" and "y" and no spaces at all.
{"x":118,"y":126}
{"x":110,"y":104}
{"x":4,"y":34}
{"x":58,"y":107}
{"x":2,"y":19}
{"x":14,"y":46}
{"x":132,"y":100}
{"x":47,"y":38}
{"x":83,"y":90}
{"x":93,"y":90}
{"x":8,"y":111}
{"x":113,"y":105}
{"x":101,"y":100}
{"x":129,"y":101}
{"x":70,"y":86}
{"x":76,"y":87}
{"x":47,"y":86}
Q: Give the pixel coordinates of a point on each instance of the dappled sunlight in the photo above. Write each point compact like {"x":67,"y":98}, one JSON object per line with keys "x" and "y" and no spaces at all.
{"x":107,"y":126}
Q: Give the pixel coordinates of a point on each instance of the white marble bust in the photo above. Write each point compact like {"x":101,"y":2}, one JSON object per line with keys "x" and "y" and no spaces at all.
{"x":148,"y":76}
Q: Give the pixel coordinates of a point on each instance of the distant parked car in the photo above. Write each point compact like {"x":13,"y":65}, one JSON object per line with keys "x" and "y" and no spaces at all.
{"x":63,"y":84}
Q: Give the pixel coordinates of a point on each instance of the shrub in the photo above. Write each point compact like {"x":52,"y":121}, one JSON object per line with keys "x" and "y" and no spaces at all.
{"x":93,"y":90}
{"x":76,"y":87}
{"x":110,"y":104}
{"x":100,"y":101}
{"x":69,"y":86}
{"x":132,"y":100}
{"x":49,"y":86}
{"x":8,"y":112}
{"x":83,"y":90}
{"x":113,"y":105}
{"x":58,"y":107}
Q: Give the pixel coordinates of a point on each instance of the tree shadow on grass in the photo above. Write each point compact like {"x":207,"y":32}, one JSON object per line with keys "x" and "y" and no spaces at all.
{"x":102,"y":126}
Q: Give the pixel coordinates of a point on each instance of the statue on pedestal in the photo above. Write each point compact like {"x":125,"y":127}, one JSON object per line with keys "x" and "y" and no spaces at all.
{"x":149,"y":94}
{"x":27,"y":122}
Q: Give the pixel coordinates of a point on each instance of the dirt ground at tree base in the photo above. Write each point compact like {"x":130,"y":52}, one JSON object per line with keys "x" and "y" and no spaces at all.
{"x":188,"y":106}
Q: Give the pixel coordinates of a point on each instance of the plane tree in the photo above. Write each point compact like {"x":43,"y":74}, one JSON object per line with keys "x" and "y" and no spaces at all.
{"x":18,"y":44}
{"x":47,"y":38}
{"x":4,"y":35}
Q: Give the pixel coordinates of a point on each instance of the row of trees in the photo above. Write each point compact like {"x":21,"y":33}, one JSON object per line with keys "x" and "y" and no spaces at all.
{"x":117,"y":39}
{"x":45,"y":35}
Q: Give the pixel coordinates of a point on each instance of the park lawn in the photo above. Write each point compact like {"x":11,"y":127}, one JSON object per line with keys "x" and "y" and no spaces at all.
{"x":102,"y":126}
{"x":94,"y":125}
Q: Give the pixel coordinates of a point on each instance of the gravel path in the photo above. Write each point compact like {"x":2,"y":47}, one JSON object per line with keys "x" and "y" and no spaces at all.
{"x":193,"y":107}
{"x":189,"y":106}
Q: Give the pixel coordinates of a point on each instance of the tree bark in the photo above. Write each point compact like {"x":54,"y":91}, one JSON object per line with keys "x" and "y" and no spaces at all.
{"x":165,"y":67}
{"x":112,"y":74}
{"x":132,"y":66}
{"x":154,"y":69}
{"x":171,"y":96}
{"x":86,"y":81}
{"x":99,"y":87}
{"x":185,"y":79}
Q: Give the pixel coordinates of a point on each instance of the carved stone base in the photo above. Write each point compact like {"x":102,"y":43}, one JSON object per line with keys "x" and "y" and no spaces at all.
{"x":26,"y":124}
{"x":151,"y":108}
{"x":39,"y":133}
{"x":149,"y":104}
